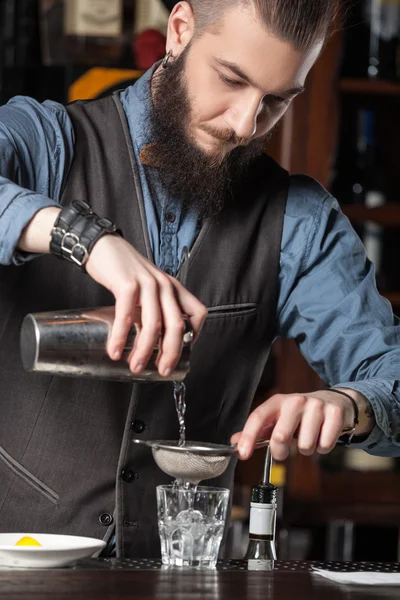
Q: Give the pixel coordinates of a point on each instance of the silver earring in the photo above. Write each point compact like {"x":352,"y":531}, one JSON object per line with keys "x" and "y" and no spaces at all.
{"x":166,"y":59}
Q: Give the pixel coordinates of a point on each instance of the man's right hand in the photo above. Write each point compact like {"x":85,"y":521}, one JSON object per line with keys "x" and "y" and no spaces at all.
{"x":135,"y":281}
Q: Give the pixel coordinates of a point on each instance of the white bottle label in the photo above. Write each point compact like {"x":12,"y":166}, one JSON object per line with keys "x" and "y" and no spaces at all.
{"x":262,"y":519}
{"x":99,"y":18}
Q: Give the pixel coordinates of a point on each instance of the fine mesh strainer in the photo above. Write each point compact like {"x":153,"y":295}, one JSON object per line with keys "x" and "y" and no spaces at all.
{"x":194,"y":461}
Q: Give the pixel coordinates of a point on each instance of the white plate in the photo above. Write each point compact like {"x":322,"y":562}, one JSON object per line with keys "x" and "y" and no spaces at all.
{"x":55,"y":550}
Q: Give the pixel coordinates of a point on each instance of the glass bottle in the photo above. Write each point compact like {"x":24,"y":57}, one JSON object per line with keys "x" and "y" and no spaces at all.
{"x":384,"y":21}
{"x":93,"y":31}
{"x":375,"y":196}
{"x":356,"y":38}
{"x":151,"y":14}
{"x":371,"y":40}
{"x":261,"y":552}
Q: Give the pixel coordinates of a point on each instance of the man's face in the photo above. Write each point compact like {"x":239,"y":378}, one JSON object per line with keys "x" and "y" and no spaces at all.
{"x":240,"y":81}
{"x":216,"y":102}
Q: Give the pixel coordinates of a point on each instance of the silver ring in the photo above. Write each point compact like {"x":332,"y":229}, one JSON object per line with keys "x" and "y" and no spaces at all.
{"x":166,"y":59}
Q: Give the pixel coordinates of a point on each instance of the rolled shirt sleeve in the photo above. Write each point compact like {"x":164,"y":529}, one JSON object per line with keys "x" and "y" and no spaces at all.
{"x":330,"y":305}
{"x":36,"y":151}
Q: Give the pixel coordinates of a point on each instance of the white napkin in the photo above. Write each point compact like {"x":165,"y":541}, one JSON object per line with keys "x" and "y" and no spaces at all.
{"x":360,"y":577}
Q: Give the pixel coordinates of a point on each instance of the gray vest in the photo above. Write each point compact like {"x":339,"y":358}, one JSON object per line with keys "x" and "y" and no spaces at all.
{"x":66,"y":461}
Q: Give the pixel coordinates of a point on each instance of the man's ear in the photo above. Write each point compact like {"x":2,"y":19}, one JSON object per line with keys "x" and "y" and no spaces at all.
{"x":180,"y":28}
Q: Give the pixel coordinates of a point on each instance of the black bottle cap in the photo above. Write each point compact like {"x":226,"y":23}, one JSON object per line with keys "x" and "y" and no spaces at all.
{"x":264,"y":493}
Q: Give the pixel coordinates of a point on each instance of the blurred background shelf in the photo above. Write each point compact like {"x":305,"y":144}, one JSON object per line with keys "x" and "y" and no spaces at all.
{"x":394,"y":298}
{"x":369,"y":86}
{"x":387,"y":215}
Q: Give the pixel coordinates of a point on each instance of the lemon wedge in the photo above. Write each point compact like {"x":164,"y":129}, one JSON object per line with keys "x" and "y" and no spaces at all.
{"x":27,"y":541}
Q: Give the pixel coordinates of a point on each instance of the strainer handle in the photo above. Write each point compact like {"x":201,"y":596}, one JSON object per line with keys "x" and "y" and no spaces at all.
{"x":258,"y":444}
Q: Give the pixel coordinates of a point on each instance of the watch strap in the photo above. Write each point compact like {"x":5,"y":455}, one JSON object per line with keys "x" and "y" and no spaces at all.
{"x":348,"y":432}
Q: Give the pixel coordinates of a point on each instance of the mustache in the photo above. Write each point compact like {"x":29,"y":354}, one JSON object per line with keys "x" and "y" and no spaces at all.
{"x":226,"y":136}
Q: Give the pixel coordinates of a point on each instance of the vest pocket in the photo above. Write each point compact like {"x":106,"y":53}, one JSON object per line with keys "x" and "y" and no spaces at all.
{"x":232,"y":310}
{"x":28,"y":477}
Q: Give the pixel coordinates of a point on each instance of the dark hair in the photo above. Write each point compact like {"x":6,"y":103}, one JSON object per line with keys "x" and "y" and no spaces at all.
{"x":300,"y":22}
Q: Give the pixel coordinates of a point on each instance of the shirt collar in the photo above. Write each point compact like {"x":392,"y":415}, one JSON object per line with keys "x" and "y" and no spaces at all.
{"x":140,"y":105}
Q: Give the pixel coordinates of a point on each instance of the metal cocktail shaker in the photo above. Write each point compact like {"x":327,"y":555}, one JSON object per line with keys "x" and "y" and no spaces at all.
{"x":73,"y":343}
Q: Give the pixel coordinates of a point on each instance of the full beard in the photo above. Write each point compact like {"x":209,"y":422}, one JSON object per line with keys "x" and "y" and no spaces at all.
{"x":204,"y":183}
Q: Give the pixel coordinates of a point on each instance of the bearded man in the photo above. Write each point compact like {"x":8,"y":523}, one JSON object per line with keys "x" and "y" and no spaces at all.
{"x":177,"y":161}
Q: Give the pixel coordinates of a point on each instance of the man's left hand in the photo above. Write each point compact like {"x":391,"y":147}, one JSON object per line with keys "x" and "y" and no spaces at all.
{"x":313,"y":422}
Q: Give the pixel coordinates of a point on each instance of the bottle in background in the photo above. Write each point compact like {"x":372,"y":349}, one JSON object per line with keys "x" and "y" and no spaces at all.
{"x":354,"y":160}
{"x":374,"y":194}
{"x":27,"y":36}
{"x":372,"y":40}
{"x":383,"y":17}
{"x":356,"y":41}
{"x":150,"y":14}
{"x":361,"y":179}
{"x":93,"y":31}
{"x":87,"y":32}
{"x":20,"y":48}
{"x":8,"y":9}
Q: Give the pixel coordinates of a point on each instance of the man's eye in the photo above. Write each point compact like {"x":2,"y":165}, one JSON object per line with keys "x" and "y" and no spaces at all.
{"x":228,"y":81}
{"x":272,"y":99}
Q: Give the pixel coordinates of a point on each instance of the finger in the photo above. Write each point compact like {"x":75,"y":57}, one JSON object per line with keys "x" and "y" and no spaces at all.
{"x":310,"y":426}
{"x":174,"y":327}
{"x":124,"y":311}
{"x":331,"y":429}
{"x":261,"y":417}
{"x":284,"y":431}
{"x":236,"y":437}
{"x":149,"y":334}
{"x":191,"y":306}
{"x":264,"y":434}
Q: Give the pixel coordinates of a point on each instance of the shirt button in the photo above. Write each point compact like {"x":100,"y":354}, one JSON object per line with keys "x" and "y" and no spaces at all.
{"x":138,"y":426}
{"x":170,"y":217}
{"x":128,"y":475}
{"x":168,"y":271}
{"x":106,"y":519}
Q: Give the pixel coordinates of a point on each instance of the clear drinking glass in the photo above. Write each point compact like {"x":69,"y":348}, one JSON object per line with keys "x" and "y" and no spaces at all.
{"x":191,"y":524}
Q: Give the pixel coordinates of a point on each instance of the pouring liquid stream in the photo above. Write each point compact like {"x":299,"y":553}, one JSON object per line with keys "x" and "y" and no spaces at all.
{"x":180,"y":404}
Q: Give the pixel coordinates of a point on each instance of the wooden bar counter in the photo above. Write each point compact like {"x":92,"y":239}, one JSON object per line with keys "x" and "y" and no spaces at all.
{"x":111,"y":579}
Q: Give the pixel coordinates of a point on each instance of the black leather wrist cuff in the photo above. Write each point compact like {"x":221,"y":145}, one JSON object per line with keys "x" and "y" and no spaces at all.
{"x":76,"y":231}
{"x":63,"y":224}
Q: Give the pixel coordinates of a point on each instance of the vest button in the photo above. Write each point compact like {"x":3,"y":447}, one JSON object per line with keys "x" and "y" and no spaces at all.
{"x":138,"y":426}
{"x":128,"y":475}
{"x":106,"y":519}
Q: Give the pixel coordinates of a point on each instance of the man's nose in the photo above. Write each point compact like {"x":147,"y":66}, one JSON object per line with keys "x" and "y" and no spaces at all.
{"x":242,"y":118}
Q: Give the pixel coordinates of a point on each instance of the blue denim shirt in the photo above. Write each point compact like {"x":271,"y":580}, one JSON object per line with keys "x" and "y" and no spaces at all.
{"x":328,"y":300}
